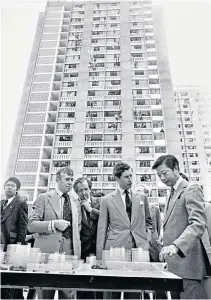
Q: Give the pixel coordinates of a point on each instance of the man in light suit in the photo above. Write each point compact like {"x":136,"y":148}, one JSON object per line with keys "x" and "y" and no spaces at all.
{"x":56,"y":217}
{"x":183,"y":227}
{"x":124,"y":219}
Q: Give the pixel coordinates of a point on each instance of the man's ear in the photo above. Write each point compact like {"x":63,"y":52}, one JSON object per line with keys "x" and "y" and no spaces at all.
{"x":176,"y":168}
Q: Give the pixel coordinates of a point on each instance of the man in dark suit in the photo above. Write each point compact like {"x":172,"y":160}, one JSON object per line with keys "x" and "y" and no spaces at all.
{"x":183,"y":227}
{"x":14,"y":219}
{"x":90,"y":213}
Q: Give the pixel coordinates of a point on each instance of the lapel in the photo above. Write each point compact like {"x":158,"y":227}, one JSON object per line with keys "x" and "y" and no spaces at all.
{"x":173,"y":200}
{"x":54,"y":201}
{"x":117,"y":202}
{"x":135,"y":206}
{"x":7,"y":211}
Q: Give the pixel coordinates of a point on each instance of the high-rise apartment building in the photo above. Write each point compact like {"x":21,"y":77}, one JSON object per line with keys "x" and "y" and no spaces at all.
{"x":194,"y":122}
{"x":98,"y":90}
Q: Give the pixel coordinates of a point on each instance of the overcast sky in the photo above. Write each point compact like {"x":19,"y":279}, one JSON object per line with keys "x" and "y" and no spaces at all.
{"x":187,"y":25}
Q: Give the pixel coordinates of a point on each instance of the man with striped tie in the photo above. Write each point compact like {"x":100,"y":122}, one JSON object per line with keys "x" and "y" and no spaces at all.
{"x":56,"y":217}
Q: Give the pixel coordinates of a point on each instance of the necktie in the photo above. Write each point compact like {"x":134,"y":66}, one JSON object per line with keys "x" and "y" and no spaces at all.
{"x":86,"y":215}
{"x":170,"y":196}
{"x":67,"y":216}
{"x":128,"y":204}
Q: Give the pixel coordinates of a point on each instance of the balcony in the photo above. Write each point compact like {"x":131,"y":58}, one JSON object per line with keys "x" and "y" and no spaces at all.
{"x":146,"y":96}
{"x":142,"y":118}
{"x":110,"y":184}
{"x":144,"y":143}
{"x":157,"y":118}
{"x":66,"y":89}
{"x":71,"y":70}
{"x":94,"y":119}
{"x":99,"y":87}
{"x":67,"y":109}
{"x":97,"y":184}
{"x":72,"y":53}
{"x":159,"y":142}
{"x":65,"y":120}
{"x":93,"y":143}
{"x":52,"y":184}
{"x":147,"y":184}
{"x":92,"y":170}
{"x":95,"y":108}
{"x":64,"y":131}
{"x":112,"y":108}
{"x":62,"y":156}
{"x":112,"y":156}
{"x":96,"y":78}
{"x":112,"y":87}
{"x":143,"y":130}
{"x":63,"y":144}
{"x":145,"y":156}
{"x":113,"y":97}
{"x":94,"y":131}
{"x":112,"y":130}
{"x":141,"y":107}
{"x":112,"y":143}
{"x":108,"y":170}
{"x":111,"y":119}
{"x":144,"y":170}
{"x":93,"y":156}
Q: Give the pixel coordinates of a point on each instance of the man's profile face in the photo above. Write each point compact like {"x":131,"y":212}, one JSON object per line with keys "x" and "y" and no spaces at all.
{"x":10,"y":189}
{"x":125,"y":180}
{"x":65,"y":183}
{"x":168,"y":176}
{"x":83,"y":190}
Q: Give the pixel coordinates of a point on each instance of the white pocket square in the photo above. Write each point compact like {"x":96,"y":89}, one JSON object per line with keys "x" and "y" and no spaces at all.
{"x":141,"y":202}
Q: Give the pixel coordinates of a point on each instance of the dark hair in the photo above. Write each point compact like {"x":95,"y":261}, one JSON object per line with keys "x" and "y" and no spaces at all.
{"x":15,"y":180}
{"x":81,"y":180}
{"x":169,"y":160}
{"x":64,"y":170}
{"x":99,"y":194}
{"x":184,"y":176}
{"x":119,"y":168}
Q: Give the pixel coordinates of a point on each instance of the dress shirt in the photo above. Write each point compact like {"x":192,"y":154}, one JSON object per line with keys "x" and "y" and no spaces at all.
{"x":180,"y":179}
{"x":51,"y":226}
{"x":9,"y":201}
{"x":123,"y":195}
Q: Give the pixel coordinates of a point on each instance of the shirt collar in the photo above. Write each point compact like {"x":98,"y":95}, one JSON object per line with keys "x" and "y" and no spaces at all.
{"x":10,"y":200}
{"x":123,"y":191}
{"x":180,"y":179}
{"x":58,"y":192}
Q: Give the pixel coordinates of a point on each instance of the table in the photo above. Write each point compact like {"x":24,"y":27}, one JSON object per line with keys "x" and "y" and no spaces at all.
{"x":98,"y":280}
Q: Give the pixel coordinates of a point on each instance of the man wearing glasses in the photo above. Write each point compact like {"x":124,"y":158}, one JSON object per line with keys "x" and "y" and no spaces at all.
{"x":56,"y":217}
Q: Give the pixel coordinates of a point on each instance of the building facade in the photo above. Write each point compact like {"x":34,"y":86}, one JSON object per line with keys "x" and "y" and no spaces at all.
{"x":98,"y":90}
{"x":194,"y":123}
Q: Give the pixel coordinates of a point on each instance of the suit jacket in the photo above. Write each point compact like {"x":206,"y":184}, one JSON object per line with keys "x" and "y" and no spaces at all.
{"x":184,"y":225}
{"x":89,"y":229}
{"x":47,"y":208}
{"x":114,"y":226}
{"x":156,"y":226}
{"x":14,"y":220}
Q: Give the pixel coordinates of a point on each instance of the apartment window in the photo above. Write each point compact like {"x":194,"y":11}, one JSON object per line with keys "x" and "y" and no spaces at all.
{"x":95,"y":83}
{"x":160,"y":149}
{"x":157,"y":113}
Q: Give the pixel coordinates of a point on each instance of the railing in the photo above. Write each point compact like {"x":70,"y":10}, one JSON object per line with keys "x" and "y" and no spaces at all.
{"x":94,"y":119}
{"x":144,"y":170}
{"x":62,"y":156}
{"x":143,"y":130}
{"x":94,"y":170}
{"x":93,"y":156}
{"x":118,"y":143}
{"x":93,"y":143}
{"x":112,"y":156}
{"x":94,"y":131}
{"x":144,"y":143}
{"x":65,"y":120}
{"x":63,"y":144}
{"x":108,"y":170}
{"x":67,"y":109}
{"x":64,"y":131}
{"x":145,"y":156}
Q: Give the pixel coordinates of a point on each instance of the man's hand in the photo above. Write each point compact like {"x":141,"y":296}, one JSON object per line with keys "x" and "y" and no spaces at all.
{"x":168,"y":251}
{"x":86,"y":205}
{"x":61,"y":225}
